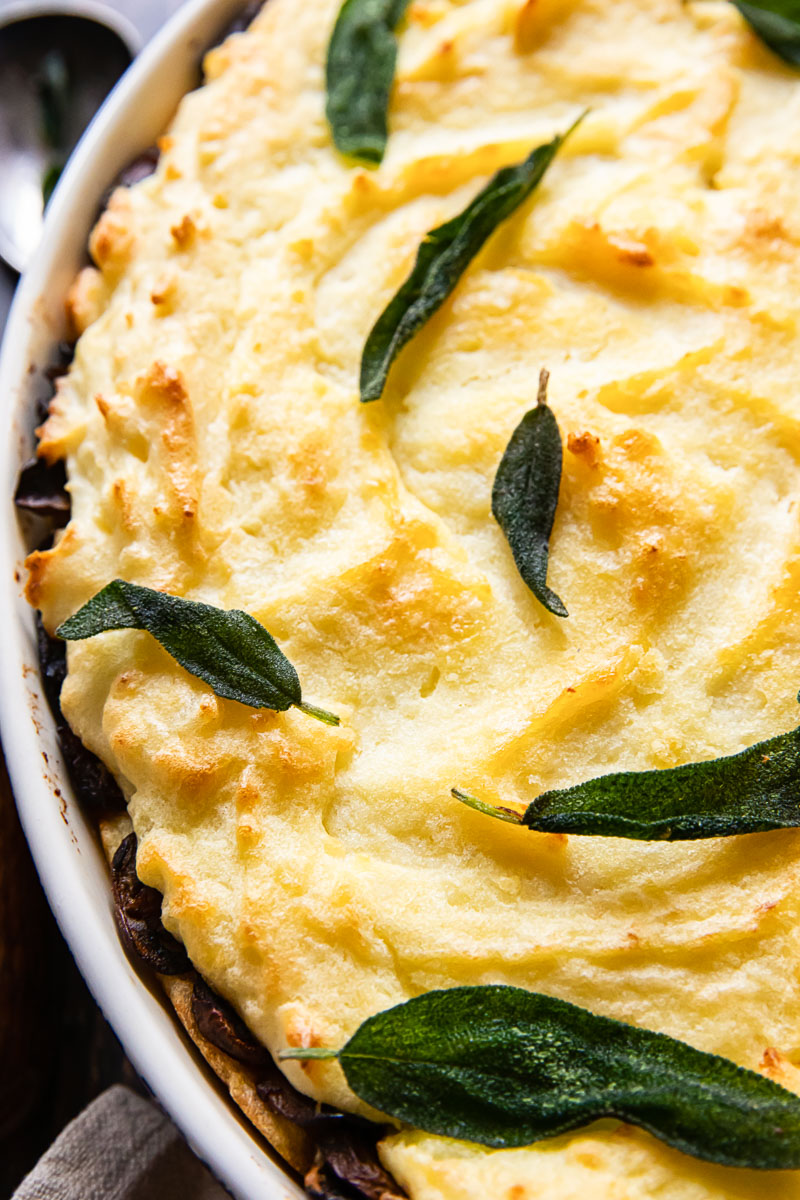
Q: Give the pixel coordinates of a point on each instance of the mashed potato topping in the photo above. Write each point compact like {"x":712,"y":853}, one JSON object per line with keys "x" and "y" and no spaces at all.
{"x":217,"y":449}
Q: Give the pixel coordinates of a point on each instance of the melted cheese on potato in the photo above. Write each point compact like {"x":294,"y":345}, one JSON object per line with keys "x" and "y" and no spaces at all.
{"x":217,"y":449}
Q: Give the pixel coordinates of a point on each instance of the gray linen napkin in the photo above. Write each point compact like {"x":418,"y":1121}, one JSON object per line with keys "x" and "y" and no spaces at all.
{"x":120,"y":1148}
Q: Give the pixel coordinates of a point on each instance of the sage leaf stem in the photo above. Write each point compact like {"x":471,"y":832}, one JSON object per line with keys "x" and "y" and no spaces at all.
{"x":229,"y":650}
{"x":754,"y":791}
{"x":505,"y":1067}
{"x":489,"y":810}
{"x":442,"y":259}
{"x":362,"y":54}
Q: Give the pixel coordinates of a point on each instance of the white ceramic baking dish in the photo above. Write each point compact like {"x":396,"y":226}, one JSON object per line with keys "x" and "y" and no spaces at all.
{"x":63,"y":842}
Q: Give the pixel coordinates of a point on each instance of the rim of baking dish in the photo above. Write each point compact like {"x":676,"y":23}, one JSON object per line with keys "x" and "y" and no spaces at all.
{"x":63,"y":842}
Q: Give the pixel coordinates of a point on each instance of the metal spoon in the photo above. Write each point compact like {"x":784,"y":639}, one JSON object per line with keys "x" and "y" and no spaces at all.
{"x":57,"y":64}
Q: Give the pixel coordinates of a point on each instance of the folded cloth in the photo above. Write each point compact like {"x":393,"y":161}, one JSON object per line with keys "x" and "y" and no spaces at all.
{"x":120,"y":1148}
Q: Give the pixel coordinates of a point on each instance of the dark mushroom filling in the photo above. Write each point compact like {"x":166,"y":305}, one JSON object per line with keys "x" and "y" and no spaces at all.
{"x":240,"y":22}
{"x":347,"y":1162}
{"x":92,"y":781}
{"x":224,"y":1028}
{"x":138,"y":912}
{"x":142,"y":166}
{"x":41,"y":490}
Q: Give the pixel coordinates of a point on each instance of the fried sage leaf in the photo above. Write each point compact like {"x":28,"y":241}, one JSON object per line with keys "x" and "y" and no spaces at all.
{"x":229,"y":650}
{"x":506,"y":1067}
{"x":525,"y":495}
{"x":777,"y":23}
{"x":753,"y":791}
{"x":362,"y":54}
{"x":442,"y":259}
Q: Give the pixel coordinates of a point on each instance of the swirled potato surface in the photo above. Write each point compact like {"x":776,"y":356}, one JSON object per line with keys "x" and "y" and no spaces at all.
{"x":217,"y":449}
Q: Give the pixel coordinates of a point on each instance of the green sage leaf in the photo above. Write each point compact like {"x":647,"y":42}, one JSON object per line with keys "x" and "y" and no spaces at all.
{"x":777,"y":24}
{"x":754,"y":791}
{"x":505,"y":1067}
{"x":525,"y":496}
{"x":229,"y":650}
{"x":362,"y":54}
{"x":442,"y":259}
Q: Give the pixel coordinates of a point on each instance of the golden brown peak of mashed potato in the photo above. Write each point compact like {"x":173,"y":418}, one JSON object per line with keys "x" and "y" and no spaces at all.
{"x":216,"y":448}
